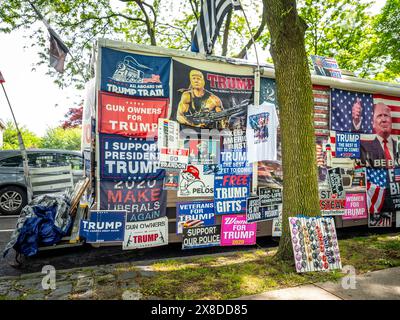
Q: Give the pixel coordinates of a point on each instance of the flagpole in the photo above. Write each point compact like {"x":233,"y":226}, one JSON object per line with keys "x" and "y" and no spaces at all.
{"x":256,"y":96}
{"x":23,"y":150}
{"x":48,"y":28}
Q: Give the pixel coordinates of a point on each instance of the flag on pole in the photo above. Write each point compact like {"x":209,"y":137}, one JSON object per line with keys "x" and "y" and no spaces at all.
{"x":58,"y":51}
{"x":212,"y":15}
{"x":2,"y":78}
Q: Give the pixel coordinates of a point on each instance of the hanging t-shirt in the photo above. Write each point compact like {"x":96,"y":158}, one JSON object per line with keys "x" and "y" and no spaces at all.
{"x":262,"y":125}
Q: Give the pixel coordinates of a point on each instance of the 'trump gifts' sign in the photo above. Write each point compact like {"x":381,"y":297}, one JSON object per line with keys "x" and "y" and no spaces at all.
{"x":231,"y":193}
{"x":235,"y":231}
{"x":123,"y":158}
{"x":130,"y":116}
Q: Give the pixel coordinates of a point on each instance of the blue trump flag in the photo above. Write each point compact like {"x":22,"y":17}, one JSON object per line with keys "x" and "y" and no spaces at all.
{"x":103,"y":226}
{"x":126,"y":159}
{"x":134,"y":75}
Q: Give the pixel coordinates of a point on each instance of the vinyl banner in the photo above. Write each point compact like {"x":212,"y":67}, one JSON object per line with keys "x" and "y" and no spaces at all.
{"x":356,"y":206}
{"x":235,"y":231}
{"x":351,"y":111}
{"x":103,"y":226}
{"x":194,"y":214}
{"x":146,"y":234}
{"x":134,"y":75}
{"x":88,"y":115}
{"x":194,"y":183}
{"x":347,"y":145}
{"x":144,"y":200}
{"x":201,"y":237}
{"x":123,"y":158}
{"x":207,"y":99}
{"x":131,"y":116}
{"x":231,"y":193}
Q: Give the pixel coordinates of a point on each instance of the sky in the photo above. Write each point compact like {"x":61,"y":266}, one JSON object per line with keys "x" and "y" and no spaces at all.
{"x":37,"y":101}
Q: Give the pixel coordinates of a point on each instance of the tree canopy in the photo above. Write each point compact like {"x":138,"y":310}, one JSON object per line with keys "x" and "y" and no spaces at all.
{"x":360,"y":41}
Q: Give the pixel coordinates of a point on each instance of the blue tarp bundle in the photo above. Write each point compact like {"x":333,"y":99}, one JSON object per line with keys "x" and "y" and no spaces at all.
{"x":43,"y":222}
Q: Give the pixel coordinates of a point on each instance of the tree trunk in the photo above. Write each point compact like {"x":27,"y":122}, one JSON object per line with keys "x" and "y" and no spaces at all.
{"x":295,"y":100}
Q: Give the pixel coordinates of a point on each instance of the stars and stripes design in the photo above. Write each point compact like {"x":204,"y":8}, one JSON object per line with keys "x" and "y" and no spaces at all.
{"x":321,"y":97}
{"x":376,"y":189}
{"x":212,"y":15}
{"x":394,"y":105}
{"x":341,"y":108}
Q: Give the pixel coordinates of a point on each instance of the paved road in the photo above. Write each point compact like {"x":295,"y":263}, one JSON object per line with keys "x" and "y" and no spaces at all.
{"x":85,"y":256}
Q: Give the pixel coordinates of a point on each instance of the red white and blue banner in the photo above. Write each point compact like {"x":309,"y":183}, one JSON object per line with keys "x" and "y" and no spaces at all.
{"x":131,"y":116}
{"x":126,"y":159}
{"x":103,"y":226}
{"x":134,"y":75}
{"x":347,"y":145}
{"x":142,"y":200}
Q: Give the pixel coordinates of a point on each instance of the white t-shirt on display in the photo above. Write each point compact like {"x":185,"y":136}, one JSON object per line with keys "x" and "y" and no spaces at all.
{"x":261,"y":133}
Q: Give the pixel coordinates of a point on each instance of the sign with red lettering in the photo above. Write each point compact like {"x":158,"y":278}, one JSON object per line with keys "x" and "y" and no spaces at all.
{"x":332,"y":204}
{"x":144,"y":200}
{"x":134,"y":117}
{"x":231,"y":193}
{"x":235,"y":231}
{"x":146,"y":234}
{"x":174,"y":158}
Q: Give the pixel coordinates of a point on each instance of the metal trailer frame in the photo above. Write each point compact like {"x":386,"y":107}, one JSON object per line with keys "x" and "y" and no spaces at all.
{"x":347,"y":82}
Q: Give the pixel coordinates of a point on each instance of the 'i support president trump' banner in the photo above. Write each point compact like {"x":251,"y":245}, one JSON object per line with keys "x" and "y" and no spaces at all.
{"x":130,"y":116}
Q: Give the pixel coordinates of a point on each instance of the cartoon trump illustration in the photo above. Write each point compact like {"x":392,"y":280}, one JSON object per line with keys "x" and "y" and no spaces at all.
{"x":190,"y":178}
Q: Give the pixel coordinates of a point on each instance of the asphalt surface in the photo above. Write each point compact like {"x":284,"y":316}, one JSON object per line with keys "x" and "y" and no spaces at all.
{"x":86,"y":255}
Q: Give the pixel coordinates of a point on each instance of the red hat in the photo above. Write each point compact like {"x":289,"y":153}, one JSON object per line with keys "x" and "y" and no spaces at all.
{"x":194,"y":171}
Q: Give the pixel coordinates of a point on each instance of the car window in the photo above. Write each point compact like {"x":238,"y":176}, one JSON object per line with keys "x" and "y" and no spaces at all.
{"x":11,"y":162}
{"x":75,"y":161}
{"x":42,"y":160}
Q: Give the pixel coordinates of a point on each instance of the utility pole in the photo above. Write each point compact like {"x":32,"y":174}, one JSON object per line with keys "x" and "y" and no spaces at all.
{"x":21,"y":146}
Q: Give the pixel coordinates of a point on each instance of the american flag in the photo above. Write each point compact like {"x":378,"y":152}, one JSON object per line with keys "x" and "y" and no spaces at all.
{"x":212,"y":15}
{"x":341,"y":106}
{"x":394,"y":104}
{"x":321,"y":96}
{"x":376,"y":185}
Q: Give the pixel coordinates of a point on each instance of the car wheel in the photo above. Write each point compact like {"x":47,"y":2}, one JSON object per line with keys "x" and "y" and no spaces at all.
{"x":12,"y":200}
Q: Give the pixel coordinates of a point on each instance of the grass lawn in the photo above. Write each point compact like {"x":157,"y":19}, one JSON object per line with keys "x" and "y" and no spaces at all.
{"x":256,"y":271}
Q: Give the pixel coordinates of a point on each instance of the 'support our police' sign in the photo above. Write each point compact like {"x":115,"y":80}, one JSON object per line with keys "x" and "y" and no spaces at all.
{"x":194,"y":214}
{"x":123,"y":158}
{"x":230,"y":193}
{"x":103,"y":226}
{"x":146,"y":234}
{"x":142,"y":200}
{"x":200,"y":237}
{"x":134,"y":75}
{"x":131,"y":116}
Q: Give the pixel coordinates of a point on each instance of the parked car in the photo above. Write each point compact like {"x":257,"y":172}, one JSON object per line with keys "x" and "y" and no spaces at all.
{"x":13,"y":189}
